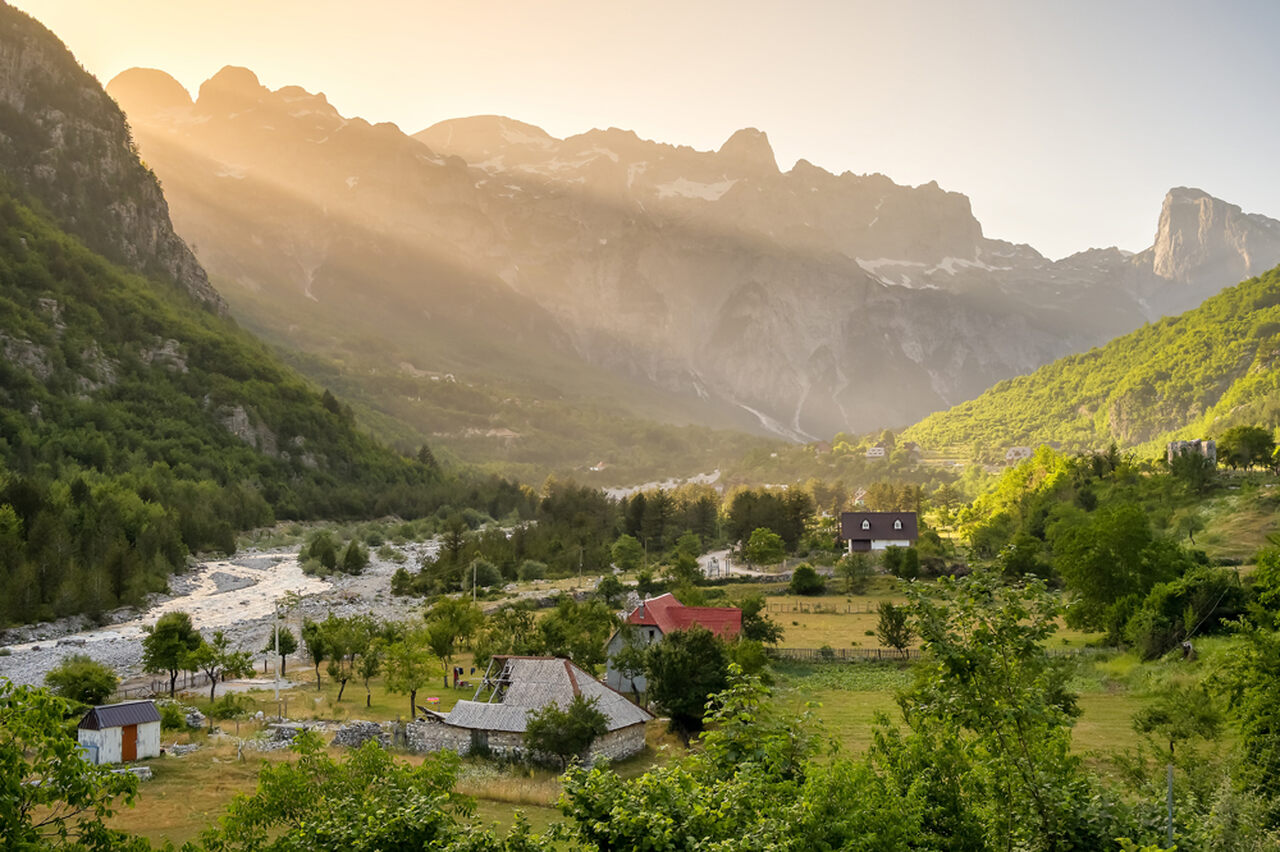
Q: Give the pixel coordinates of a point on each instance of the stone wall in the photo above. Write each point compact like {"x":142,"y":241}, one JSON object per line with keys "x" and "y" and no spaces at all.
{"x":357,"y":732}
{"x":430,"y":736}
{"x":619,"y":744}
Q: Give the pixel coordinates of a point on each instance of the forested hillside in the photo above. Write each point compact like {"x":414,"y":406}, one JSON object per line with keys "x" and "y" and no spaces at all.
{"x":1195,"y":374}
{"x":136,"y":427}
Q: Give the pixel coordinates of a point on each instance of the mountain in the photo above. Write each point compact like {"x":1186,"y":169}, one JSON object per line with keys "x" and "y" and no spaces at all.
{"x":138,"y":423}
{"x":647,"y":279}
{"x":64,"y":142}
{"x":1213,"y":367}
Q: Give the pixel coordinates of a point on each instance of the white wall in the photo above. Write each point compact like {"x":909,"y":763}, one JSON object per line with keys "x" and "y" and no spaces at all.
{"x":148,"y":740}
{"x":108,"y":743}
{"x":884,"y":544}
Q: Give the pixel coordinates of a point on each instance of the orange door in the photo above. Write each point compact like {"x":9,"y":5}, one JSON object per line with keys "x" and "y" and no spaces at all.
{"x":128,"y":743}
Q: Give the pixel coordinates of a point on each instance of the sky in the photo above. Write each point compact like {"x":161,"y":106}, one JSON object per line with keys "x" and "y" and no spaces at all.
{"x":1065,"y":123}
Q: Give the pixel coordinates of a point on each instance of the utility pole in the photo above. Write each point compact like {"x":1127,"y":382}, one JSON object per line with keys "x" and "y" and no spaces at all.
{"x":473,"y":581}
{"x":276,"y":654}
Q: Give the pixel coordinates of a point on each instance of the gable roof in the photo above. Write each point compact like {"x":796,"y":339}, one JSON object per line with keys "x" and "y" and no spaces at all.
{"x":534,"y":682}
{"x":881,"y":526}
{"x":667,"y":613}
{"x":118,"y":715}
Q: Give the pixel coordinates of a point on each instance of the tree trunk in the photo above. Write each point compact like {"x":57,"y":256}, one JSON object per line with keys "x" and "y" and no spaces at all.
{"x":413,"y":704}
{"x":342,"y":685}
{"x":173,"y":682}
{"x":317,"y":676}
{"x":282,"y":658}
{"x":368,"y":698}
{"x":213,"y":686}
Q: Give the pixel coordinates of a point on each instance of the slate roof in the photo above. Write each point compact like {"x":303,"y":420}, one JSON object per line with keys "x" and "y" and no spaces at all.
{"x":535,"y":682}
{"x":668,"y":614}
{"x":119,"y":715}
{"x":881,"y":526}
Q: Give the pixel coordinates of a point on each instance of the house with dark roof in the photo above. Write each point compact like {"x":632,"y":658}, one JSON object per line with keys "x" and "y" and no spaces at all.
{"x":494,"y":720}
{"x":866,"y":531}
{"x":120,"y":733}
{"x":655,"y":618}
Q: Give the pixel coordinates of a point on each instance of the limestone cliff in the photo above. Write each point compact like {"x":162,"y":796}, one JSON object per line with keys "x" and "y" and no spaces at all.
{"x":64,"y":141}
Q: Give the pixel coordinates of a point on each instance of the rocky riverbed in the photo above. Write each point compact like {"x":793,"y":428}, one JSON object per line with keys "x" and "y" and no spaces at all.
{"x":237,"y":596}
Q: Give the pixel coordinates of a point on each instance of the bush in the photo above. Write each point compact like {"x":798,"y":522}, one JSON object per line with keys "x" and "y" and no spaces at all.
{"x":1197,"y":603}
{"x":806,"y":581}
{"x":531,"y":569}
{"x":172,"y":716}
{"x":82,"y":679}
{"x":230,"y":706}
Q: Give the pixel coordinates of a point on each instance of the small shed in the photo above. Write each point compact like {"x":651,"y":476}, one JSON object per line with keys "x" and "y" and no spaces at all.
{"x":120,"y":733}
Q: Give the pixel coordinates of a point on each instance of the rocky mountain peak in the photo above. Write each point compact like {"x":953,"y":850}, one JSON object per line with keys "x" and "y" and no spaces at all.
{"x":145,"y":92}
{"x":230,"y":90}
{"x":1200,"y":236}
{"x":749,"y":150}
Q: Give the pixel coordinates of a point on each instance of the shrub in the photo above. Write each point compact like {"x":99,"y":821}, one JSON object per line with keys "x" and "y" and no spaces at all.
{"x":82,"y":679}
{"x":531,"y":569}
{"x":230,"y":706}
{"x":806,"y":581}
{"x":172,"y":717}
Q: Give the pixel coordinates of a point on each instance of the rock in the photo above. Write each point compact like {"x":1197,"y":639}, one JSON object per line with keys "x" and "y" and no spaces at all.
{"x":357,"y":732}
{"x":195,"y":718}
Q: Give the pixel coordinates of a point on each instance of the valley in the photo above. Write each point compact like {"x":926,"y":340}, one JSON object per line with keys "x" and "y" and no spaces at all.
{"x":653,"y":488}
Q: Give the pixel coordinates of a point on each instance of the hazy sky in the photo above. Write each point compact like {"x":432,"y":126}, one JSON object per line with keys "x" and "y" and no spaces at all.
{"x":1064,"y":122}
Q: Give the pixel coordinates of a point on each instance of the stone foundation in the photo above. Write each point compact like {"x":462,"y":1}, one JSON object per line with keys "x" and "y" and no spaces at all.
{"x":430,"y":735}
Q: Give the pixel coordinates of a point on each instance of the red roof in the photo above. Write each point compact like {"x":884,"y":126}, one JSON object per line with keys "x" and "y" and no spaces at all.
{"x":668,"y":614}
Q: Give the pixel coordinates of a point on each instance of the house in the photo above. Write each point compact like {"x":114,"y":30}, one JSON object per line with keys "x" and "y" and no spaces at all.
{"x":655,"y":618}
{"x":877,"y":451}
{"x":1206,"y":447}
{"x":120,"y":733}
{"x":865,"y":531}
{"x":513,"y":687}
{"x":1017,"y":454}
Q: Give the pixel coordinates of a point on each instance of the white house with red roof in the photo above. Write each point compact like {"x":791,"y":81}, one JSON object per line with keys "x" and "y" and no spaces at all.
{"x":655,"y":618}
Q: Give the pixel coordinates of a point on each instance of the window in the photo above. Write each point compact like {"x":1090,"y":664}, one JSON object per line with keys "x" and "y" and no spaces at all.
{"x":897,"y":524}
{"x":866,"y":525}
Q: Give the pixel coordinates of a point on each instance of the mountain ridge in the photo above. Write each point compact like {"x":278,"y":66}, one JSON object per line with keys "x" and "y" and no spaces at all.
{"x":807,"y":301}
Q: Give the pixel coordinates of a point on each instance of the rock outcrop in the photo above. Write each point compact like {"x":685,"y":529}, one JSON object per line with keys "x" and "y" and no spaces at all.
{"x":65,"y":142}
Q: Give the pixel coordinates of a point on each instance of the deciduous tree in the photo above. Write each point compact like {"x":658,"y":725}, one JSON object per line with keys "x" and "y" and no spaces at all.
{"x":50,"y":798}
{"x":565,"y":733}
{"x":168,"y":644}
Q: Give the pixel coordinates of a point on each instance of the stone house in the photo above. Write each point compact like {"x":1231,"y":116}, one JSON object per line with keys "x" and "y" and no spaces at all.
{"x":512,"y":688}
{"x":1206,"y":447}
{"x":867,"y":531}
{"x":655,"y":618}
{"x":120,"y":733}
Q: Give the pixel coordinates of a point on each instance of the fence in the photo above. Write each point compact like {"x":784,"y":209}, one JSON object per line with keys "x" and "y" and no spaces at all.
{"x":857,"y":607}
{"x":160,"y":686}
{"x":844,"y":655}
{"x":888,"y":655}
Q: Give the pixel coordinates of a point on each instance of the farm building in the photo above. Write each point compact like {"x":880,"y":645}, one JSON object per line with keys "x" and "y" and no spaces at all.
{"x":512,"y":688}
{"x":120,"y":733}
{"x":655,"y":618}
{"x":866,"y":531}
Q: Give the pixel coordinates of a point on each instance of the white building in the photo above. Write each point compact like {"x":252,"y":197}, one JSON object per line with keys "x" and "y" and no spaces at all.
{"x":119,"y":733}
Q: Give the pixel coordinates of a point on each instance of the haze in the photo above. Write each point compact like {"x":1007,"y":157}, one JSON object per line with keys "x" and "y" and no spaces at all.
{"x":1064,"y":123}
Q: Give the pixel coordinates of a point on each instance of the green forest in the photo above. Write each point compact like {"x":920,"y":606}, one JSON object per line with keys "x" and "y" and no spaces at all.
{"x":118,"y":459}
{"x":1186,"y":376}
